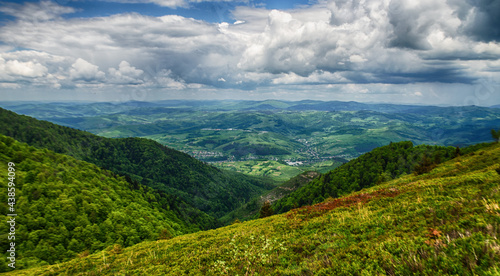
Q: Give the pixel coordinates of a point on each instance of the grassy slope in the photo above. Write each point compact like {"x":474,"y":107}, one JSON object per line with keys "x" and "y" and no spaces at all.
{"x":381,"y":164}
{"x":443,"y":222}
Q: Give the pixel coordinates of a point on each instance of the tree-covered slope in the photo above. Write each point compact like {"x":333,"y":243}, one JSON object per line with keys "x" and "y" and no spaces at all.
{"x":445,"y":222}
{"x":209,"y":189}
{"x":381,"y":164}
{"x":66,"y":207}
{"x":250,"y":210}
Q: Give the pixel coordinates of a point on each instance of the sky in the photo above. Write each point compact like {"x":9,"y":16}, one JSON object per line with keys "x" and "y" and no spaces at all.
{"x":391,"y":51}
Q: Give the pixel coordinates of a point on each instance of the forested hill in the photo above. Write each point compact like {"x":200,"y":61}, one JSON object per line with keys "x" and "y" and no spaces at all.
{"x":209,"y":189}
{"x":444,"y":222}
{"x":379,"y":165}
{"x":66,"y":207}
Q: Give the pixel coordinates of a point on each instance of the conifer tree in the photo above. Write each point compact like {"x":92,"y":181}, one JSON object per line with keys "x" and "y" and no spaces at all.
{"x":495,"y":135}
{"x":266,"y":210}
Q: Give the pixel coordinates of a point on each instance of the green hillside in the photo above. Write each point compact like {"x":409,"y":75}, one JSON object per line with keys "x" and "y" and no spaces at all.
{"x":207,"y":188}
{"x":379,"y":165}
{"x":66,"y":207}
{"x":250,"y":210}
{"x":445,"y":222}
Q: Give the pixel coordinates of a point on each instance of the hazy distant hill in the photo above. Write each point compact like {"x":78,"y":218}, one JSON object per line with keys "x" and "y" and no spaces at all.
{"x":309,"y":131}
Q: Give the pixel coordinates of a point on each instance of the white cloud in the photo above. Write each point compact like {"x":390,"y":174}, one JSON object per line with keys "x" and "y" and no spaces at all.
{"x":8,"y":85}
{"x":25,"y":69}
{"x":357,"y":58}
{"x":82,"y":70}
{"x":317,"y":77}
{"x":164,"y":79}
{"x":286,"y":44}
{"x":125,"y":74}
{"x":31,"y":68}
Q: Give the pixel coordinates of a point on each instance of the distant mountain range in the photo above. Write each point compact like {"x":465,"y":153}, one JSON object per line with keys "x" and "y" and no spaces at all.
{"x":53,"y":109}
{"x":306,"y":131}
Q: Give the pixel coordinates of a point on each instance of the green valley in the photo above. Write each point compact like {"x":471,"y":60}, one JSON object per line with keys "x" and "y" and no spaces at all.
{"x":269,"y":168}
{"x":251,"y":209}
{"x":304,"y":131}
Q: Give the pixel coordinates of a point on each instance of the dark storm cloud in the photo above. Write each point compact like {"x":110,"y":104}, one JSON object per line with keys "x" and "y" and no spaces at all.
{"x":410,"y":27}
{"x":484,"y":21}
{"x":434,"y":75}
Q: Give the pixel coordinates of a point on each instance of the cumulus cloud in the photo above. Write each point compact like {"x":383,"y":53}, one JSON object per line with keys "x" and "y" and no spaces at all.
{"x":25,"y":69}
{"x":482,"y":20}
{"x":82,"y":70}
{"x":368,"y":42}
{"x":164,"y":79}
{"x":412,"y":23}
{"x":125,"y":74}
{"x":31,"y":68}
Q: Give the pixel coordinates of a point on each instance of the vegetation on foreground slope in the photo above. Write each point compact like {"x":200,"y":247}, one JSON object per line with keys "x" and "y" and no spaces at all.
{"x":68,"y":207}
{"x":443,"y":222}
{"x":379,"y":165}
{"x":251,"y":209}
